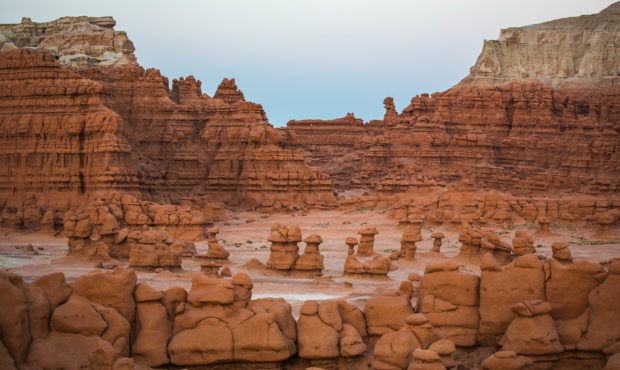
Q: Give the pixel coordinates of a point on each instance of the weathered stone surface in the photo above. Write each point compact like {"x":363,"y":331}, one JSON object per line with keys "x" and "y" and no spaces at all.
{"x":77,"y":316}
{"x":219,"y":323}
{"x":260,"y":339}
{"x":113,"y":289}
{"x":14,"y":322}
{"x":385,"y":313}
{"x":5,"y":358}
{"x":118,"y":329}
{"x":93,"y":119}
{"x":425,"y":359}
{"x":575,"y":52}
{"x":533,"y":332}
{"x":604,"y":316}
{"x":330,"y":329}
{"x":210,"y":342}
{"x":77,"y":42}
{"x":506,"y":360}
{"x":521,"y":280}
{"x":153,"y":331}
{"x":316,"y":338}
{"x":55,"y":287}
{"x":450,"y":300}
{"x":395,"y":349}
{"x":63,"y":350}
{"x":568,"y":287}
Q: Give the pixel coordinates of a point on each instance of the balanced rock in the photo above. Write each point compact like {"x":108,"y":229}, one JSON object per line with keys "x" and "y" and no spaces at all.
{"x":533,"y":331}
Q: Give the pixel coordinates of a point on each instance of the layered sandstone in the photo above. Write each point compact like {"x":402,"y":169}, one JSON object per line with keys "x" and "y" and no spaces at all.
{"x":578,"y":51}
{"x":76,"y":42}
{"x":539,"y":113}
{"x":80,"y":115}
{"x":521,"y":137}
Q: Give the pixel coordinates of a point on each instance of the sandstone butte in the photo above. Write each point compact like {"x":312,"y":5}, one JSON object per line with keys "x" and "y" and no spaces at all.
{"x":94,"y":145}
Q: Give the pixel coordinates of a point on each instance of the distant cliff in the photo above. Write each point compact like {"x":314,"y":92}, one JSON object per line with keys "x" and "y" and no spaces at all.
{"x":539,"y":114}
{"x":571,"y":52}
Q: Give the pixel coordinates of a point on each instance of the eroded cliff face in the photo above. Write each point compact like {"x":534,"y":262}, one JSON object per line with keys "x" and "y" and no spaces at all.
{"x":570,"y":52}
{"x":77,"y":118}
{"x":56,"y":132}
{"x":77,"y":42}
{"x":550,"y":130}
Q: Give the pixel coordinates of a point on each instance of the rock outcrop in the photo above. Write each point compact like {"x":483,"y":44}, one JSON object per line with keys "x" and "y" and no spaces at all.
{"x":76,"y":42}
{"x":284,"y":256}
{"x":538,"y":113}
{"x":216,"y":256}
{"x":218,"y":318}
{"x":533,"y":331}
{"x":574,"y":52}
{"x":372,"y":266}
{"x":105,"y":317}
{"x":330,"y":329}
{"x":398,"y":349}
{"x":386,"y":313}
{"x":449,"y":298}
{"x":93,"y":119}
{"x":500,"y":288}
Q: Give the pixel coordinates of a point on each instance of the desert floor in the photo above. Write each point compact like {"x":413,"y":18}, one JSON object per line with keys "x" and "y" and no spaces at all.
{"x":245,"y":234}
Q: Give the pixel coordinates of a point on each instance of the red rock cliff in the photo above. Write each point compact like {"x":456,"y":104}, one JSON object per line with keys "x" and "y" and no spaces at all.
{"x":74,"y":124}
{"x":544,"y":131}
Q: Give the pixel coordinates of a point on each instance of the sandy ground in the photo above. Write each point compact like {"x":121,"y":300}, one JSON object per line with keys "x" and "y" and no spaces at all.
{"x":245,"y":237}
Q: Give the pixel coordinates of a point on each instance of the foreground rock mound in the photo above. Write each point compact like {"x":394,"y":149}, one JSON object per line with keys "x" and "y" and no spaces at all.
{"x":103,"y":318}
{"x":533,"y":332}
{"x":449,"y":298}
{"x":219,"y":323}
{"x":330,"y":329}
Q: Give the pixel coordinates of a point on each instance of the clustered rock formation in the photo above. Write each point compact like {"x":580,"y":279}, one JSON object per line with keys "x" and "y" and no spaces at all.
{"x":331,"y":329}
{"x":118,"y":225}
{"x":365,"y":262}
{"x":220,"y":323}
{"x":284,"y":256}
{"x":532,"y":311}
{"x":88,"y":324}
{"x":216,"y":256}
{"x":411,"y":235}
{"x":112,"y":211}
{"x":450,"y":301}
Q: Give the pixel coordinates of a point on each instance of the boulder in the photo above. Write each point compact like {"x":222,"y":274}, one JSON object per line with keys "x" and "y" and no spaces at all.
{"x":533,"y":331}
{"x":385,"y":314}
{"x":55,"y":287}
{"x":209,"y":342}
{"x":112,"y":289}
{"x":77,"y":316}
{"x":152,"y":332}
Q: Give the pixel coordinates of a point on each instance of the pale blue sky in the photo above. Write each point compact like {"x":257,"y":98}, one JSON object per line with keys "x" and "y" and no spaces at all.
{"x":312,"y":59}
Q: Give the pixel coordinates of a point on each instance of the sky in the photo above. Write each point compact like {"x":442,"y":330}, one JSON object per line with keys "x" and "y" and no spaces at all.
{"x":305,"y":59}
